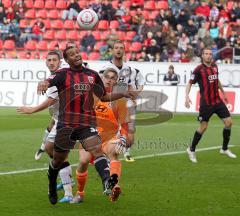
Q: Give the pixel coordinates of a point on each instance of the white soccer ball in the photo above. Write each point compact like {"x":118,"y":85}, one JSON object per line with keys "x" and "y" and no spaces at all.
{"x":87,"y":19}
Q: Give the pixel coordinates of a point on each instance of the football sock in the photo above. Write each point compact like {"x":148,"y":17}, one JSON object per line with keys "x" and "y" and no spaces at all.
{"x":81,"y":180}
{"x":196,"y":138}
{"x":116,"y":168}
{"x":127,"y":152}
{"x":66,"y":178}
{"x":102,"y":168}
{"x":52,"y":173}
{"x":45,"y":135}
{"x":226,"y":138}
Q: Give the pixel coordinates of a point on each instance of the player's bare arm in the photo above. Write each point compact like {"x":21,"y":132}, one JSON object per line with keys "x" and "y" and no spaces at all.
{"x":42,"y":87}
{"x":40,"y":107}
{"x":187,"y":98}
{"x":115,"y":96}
{"x":223,"y":92}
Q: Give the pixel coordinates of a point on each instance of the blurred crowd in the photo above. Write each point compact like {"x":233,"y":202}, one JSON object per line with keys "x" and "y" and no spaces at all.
{"x":175,"y":33}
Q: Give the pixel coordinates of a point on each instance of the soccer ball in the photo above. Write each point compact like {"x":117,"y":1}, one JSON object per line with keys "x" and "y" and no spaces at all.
{"x":87,"y":19}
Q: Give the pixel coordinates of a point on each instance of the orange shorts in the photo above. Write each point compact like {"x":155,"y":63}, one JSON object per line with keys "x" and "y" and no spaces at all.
{"x":106,"y":144}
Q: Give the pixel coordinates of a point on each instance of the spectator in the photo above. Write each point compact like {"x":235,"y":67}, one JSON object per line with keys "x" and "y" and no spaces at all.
{"x":227,"y":53}
{"x":182,"y":42}
{"x":124,"y":21}
{"x":191,"y":29}
{"x":183,"y":18}
{"x":158,"y":57}
{"x":190,"y":51}
{"x":159,"y":39}
{"x":142,"y":31}
{"x":135,"y":4}
{"x":10,"y":15}
{"x":202,"y":31}
{"x":214,"y":30}
{"x":221,"y":42}
{"x":171,"y":40}
{"x":202,"y":11}
{"x":147,"y":41}
{"x":170,"y":78}
{"x":171,"y":19}
{"x":161,"y":17}
{"x":164,"y":56}
{"x":208,"y":40}
{"x":184,"y":58}
{"x":174,"y":55}
{"x":191,"y":7}
{"x":215,"y":51}
{"x":214,"y":13}
{"x":108,"y":12}
{"x":111,"y":38}
{"x":107,"y":56}
{"x":2,"y":15}
{"x":72,"y":10}
{"x":236,"y":27}
{"x":136,"y":20}
{"x":226,"y":30}
{"x":38,"y":29}
{"x":87,"y":43}
{"x":154,"y":27}
{"x":120,"y":10}
{"x":26,"y":34}
{"x":152,"y":50}
{"x":133,"y":57}
{"x":236,"y":10}
{"x":97,"y":7}
{"x":143,"y":57}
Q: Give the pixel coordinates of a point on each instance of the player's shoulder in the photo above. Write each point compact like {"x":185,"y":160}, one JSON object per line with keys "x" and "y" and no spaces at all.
{"x":198,"y":68}
{"x":89,"y":71}
{"x":108,"y":64}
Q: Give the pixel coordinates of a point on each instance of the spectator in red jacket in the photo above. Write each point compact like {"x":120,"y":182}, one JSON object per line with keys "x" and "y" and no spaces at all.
{"x":203,"y":11}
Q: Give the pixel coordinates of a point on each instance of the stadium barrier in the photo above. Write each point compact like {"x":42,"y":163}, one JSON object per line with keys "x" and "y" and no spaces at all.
{"x":19,"y":78}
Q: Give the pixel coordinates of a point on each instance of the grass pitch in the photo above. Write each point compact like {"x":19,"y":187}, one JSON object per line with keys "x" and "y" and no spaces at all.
{"x":161,"y":185}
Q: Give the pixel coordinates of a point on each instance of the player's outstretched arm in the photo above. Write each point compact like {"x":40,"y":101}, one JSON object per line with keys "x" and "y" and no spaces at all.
{"x":187,"y":98}
{"x":42,"y":87}
{"x":40,"y":107}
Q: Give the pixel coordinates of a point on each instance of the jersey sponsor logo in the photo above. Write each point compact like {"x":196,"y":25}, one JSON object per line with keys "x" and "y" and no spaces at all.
{"x":213,"y":77}
{"x":81,"y":87}
{"x":101,"y":108}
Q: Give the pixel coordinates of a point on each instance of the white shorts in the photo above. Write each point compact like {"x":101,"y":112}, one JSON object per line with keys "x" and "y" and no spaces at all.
{"x":52,"y":133}
{"x":132,"y":114}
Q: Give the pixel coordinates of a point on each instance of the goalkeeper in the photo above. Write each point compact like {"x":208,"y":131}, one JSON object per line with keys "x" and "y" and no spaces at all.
{"x":112,"y":124}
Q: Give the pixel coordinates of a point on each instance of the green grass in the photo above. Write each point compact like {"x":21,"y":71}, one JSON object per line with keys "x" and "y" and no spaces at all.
{"x":165,"y":185}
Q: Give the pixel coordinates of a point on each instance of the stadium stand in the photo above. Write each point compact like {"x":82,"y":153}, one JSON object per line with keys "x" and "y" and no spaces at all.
{"x":220,"y":18}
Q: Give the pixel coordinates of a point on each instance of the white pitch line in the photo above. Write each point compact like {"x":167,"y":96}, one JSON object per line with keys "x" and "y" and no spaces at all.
{"x":137,"y":157}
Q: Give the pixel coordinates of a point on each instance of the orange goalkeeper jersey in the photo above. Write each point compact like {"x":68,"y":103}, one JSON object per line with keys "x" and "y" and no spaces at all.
{"x":112,"y":117}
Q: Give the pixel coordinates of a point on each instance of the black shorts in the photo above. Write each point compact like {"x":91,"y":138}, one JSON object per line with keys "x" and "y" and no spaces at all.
{"x":206,"y":111}
{"x":66,"y":137}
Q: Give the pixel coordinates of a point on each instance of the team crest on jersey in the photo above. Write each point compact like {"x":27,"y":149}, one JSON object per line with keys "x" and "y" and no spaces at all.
{"x":90,"y":79}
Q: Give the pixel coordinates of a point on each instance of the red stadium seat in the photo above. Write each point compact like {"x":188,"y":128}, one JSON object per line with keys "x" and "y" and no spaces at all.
{"x":23,"y":23}
{"x":57,"y":24}
{"x":130,"y":35}
{"x":103,"y":25}
{"x":22,"y":55}
{"x":61,"y":4}
{"x":47,"y":24}
{"x":136,"y":47}
{"x":121,"y":35}
{"x":97,"y":35}
{"x":30,"y":14}
{"x":127,"y":4}
{"x":62,"y":45}
{"x":50,"y":4}
{"x":42,"y":14}
{"x":35,"y":55}
{"x":84,"y":55}
{"x":1,"y":44}
{"x":127,"y":46}
{"x":72,"y":35}
{"x":114,"y":24}
{"x":9,"y":45}
{"x":82,"y":4}
{"x":30,"y":45}
{"x":52,"y":45}
{"x":61,"y":35}
{"x":43,"y":55}
{"x":42,"y":45}
{"x":145,"y":14}
{"x":115,"y":3}
{"x":28,"y":4}
{"x":133,"y":13}
{"x":104,"y":35}
{"x":49,"y":35}
{"x":153,"y":14}
{"x":149,"y":5}
{"x":6,"y":3}
{"x":53,"y":14}
{"x":94,"y":56}
{"x":69,"y":24}
{"x":39,"y":4}
{"x":162,"y":5}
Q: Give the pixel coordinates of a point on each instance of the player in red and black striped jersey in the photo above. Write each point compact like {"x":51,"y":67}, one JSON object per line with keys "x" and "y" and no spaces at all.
{"x":76,"y":121}
{"x":206,"y":75}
